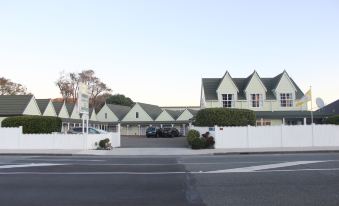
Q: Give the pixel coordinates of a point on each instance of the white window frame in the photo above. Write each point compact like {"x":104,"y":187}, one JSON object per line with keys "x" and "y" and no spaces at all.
{"x":286,"y":100}
{"x":228,"y":102}
{"x":259,"y":102}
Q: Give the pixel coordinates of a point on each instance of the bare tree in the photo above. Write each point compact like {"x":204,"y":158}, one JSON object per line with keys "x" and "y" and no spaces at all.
{"x":69,"y":85}
{"x":7,"y":87}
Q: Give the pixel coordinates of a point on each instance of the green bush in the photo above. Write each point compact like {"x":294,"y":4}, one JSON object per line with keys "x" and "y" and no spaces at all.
{"x":224,"y":117}
{"x":34,"y":124}
{"x":104,"y":143}
{"x":333,"y":120}
{"x":199,"y":143}
{"x":191,"y":135}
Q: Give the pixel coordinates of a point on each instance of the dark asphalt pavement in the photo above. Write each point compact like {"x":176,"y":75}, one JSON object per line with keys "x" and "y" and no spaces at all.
{"x":290,"y":179}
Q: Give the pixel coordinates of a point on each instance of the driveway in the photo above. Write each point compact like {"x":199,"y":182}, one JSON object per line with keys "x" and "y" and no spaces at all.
{"x":144,"y":142}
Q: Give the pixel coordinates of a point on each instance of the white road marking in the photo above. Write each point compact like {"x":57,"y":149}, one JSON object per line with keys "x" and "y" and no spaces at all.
{"x":28,"y":165}
{"x":264,"y":167}
{"x":66,"y":160}
{"x":154,"y":173}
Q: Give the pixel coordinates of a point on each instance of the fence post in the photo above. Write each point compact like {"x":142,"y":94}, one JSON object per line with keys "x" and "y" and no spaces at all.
{"x":248,"y":136}
{"x":282,"y":136}
{"x":312,"y":127}
{"x":216,"y":137}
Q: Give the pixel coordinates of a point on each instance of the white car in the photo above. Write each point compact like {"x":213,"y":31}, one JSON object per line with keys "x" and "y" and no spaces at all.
{"x":91,"y":130}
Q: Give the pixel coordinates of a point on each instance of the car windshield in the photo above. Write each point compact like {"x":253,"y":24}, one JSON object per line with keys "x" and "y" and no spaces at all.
{"x":151,"y":129}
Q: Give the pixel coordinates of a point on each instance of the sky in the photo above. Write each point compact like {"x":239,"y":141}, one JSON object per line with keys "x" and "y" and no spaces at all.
{"x":157,"y":51}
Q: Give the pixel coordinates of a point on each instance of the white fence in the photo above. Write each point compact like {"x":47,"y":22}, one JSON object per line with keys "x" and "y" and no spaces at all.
{"x":273,"y":136}
{"x":12,"y":138}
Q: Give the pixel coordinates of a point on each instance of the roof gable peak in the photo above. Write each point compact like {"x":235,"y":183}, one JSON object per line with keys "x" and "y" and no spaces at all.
{"x":249,"y":79}
{"x":223,"y":78}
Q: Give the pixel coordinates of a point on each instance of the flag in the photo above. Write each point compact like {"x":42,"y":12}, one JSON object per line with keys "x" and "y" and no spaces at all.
{"x":306,"y":98}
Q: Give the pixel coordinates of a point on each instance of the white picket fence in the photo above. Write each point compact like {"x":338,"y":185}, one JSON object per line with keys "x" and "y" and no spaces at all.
{"x":13,"y":138}
{"x":273,"y":136}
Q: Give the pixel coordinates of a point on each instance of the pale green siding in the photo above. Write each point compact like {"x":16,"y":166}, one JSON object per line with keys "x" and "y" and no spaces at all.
{"x":63,"y":112}
{"x":75,"y":114}
{"x":185,"y":116}
{"x":32,"y":108}
{"x":131,"y":115}
{"x":226,"y":86}
{"x":164,"y":116}
{"x":111,"y":117}
{"x":50,"y":111}
{"x":93,"y":117}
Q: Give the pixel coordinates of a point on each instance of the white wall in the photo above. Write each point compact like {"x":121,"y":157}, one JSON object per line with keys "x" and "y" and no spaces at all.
{"x":274,"y":136}
{"x":12,"y":138}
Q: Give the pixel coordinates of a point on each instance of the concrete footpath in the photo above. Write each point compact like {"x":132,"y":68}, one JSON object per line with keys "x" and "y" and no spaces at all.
{"x":167,"y":151}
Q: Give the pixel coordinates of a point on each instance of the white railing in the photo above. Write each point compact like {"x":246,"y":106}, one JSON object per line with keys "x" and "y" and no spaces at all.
{"x":274,"y":136}
{"x":13,"y":138}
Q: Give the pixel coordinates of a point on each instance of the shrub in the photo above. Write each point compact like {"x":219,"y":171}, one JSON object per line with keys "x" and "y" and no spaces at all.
{"x":104,"y":144}
{"x":34,"y":124}
{"x":333,"y":120}
{"x":198,"y":143}
{"x":191,"y":135}
{"x":224,"y":117}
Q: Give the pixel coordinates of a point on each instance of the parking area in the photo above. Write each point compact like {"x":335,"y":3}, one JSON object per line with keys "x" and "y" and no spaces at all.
{"x":144,"y":142}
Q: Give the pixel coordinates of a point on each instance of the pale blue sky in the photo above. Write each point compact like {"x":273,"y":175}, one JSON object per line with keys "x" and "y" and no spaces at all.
{"x":157,"y":51}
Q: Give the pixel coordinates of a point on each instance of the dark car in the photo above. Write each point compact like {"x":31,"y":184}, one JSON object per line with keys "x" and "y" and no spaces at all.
{"x":169,"y":132}
{"x":152,"y":132}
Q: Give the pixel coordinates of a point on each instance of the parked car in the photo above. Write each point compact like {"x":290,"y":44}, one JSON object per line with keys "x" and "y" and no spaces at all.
{"x":152,"y":132}
{"x":91,"y":130}
{"x":168,"y":132}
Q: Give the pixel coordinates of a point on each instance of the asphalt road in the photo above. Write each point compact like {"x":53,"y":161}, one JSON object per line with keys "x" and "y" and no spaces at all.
{"x":290,"y":179}
{"x":144,"y":142}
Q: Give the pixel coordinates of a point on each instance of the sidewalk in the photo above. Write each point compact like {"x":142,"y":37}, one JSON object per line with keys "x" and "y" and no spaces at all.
{"x":167,"y":151}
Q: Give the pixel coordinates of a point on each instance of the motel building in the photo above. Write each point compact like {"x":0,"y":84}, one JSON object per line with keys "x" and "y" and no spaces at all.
{"x":273,"y":99}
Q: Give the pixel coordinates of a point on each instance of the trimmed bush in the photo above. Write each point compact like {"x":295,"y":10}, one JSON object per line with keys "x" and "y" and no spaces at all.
{"x":224,"y":117}
{"x":333,"y":120}
{"x":199,"y":143}
{"x":191,"y":135}
{"x":34,"y":124}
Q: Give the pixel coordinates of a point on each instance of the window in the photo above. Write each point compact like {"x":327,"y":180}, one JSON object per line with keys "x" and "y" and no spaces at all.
{"x":256,"y":100}
{"x":286,"y":100}
{"x":228,"y":100}
{"x":105,"y":115}
{"x":263,"y":123}
{"x":137,"y":115}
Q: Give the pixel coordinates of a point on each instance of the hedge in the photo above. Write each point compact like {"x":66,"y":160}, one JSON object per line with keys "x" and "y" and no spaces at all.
{"x":333,"y":120}
{"x":34,"y":124}
{"x":191,"y":135}
{"x":224,"y":117}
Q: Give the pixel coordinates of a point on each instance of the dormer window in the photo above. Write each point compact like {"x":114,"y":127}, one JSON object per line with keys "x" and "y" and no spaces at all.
{"x":227,"y":100}
{"x":286,"y":100}
{"x":256,"y":100}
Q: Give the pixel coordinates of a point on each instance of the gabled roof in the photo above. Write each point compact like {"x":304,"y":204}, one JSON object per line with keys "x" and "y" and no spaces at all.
{"x":90,"y":112}
{"x":210,"y":86}
{"x":42,"y":104}
{"x":119,"y":110}
{"x":152,"y":110}
{"x":193,"y":112}
{"x":58,"y":107}
{"x":70,"y":108}
{"x":174,"y":113}
{"x":227,"y":73}
{"x":329,"y":110}
{"x":11,"y":105}
{"x":251,"y":77}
